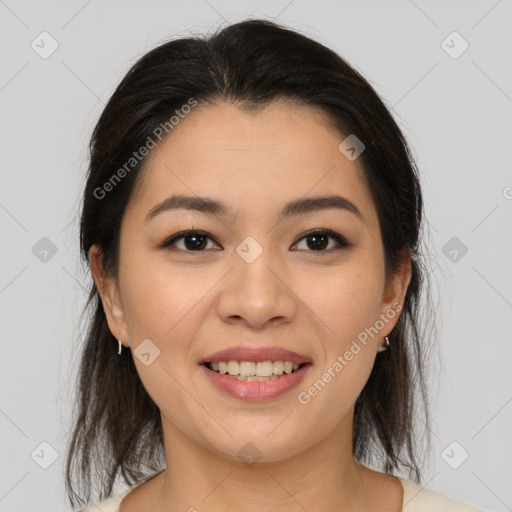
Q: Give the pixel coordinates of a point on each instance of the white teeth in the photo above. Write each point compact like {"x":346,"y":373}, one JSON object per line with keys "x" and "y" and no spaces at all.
{"x":278,"y":367}
{"x":233,"y":368}
{"x":250,"y":370}
{"x":252,"y":378}
{"x":247,"y":368}
{"x":264,"y":369}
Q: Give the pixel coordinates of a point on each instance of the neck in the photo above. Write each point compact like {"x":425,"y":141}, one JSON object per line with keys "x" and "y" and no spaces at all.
{"x":321,"y":477}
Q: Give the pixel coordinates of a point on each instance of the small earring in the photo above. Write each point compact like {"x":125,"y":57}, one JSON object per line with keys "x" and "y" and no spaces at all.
{"x":119,"y":348}
{"x":381,"y":349}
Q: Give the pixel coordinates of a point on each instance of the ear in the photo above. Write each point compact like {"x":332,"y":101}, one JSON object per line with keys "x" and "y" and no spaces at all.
{"x":394,"y":294}
{"x":110,"y":296}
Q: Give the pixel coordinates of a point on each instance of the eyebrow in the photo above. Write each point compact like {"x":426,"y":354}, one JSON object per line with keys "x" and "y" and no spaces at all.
{"x":214,"y":207}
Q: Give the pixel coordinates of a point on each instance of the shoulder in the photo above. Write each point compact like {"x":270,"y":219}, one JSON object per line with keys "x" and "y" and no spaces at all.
{"x":416,"y":499}
{"x":422,"y":499}
{"x":113,"y":503}
{"x":109,"y":505}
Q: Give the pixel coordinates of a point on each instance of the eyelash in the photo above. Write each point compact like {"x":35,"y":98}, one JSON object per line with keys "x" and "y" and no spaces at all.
{"x":342,"y":242}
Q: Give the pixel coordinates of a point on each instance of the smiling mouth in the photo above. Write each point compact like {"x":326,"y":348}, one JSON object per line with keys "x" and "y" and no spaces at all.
{"x":261,"y":371}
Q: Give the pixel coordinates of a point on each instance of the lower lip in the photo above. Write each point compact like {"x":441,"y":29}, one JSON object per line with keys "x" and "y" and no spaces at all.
{"x":256,"y":390}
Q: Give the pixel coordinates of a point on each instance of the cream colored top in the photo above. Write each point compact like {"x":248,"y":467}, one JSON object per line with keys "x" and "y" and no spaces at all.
{"x":416,"y":499}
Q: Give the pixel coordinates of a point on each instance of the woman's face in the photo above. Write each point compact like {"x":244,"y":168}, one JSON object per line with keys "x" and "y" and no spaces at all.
{"x":256,"y":279}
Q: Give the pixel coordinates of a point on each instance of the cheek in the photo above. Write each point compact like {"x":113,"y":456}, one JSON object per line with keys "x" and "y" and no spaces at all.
{"x":164,"y":307}
{"x":346,"y":307}
{"x":159,"y":302}
{"x":167,"y":308}
{"x":346,"y":302}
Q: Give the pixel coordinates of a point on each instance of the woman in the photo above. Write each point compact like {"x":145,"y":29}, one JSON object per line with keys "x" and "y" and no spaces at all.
{"x":251,"y":219}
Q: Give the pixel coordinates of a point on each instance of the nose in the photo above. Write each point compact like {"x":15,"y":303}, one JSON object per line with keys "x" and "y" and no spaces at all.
{"x":256,"y":294}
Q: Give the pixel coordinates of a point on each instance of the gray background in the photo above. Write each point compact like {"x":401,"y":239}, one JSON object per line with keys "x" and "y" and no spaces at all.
{"x":456,"y":113}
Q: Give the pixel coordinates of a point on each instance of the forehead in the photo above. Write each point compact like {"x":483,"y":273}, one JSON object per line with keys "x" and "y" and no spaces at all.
{"x":252,"y":159}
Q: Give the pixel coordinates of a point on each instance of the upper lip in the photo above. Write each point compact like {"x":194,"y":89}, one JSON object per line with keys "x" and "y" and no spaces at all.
{"x":244,"y":353}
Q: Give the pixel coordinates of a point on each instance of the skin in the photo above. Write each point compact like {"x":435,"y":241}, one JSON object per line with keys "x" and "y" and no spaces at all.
{"x":191,"y":304}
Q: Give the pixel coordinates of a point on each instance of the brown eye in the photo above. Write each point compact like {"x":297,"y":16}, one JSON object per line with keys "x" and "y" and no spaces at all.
{"x":318,"y":241}
{"x":193,"y":241}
